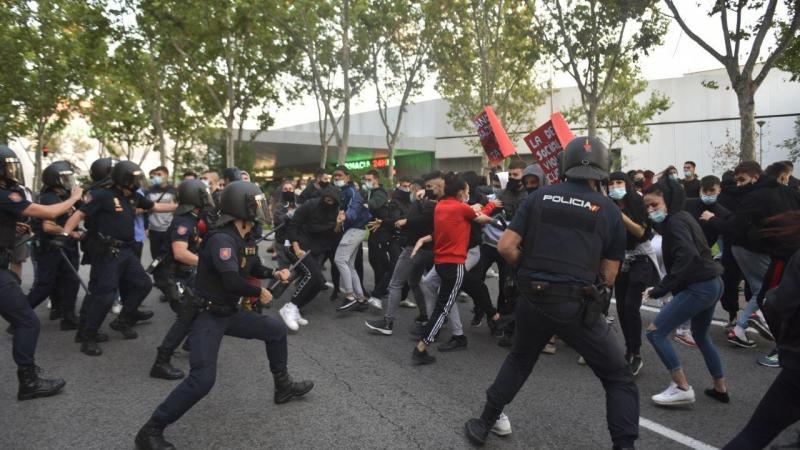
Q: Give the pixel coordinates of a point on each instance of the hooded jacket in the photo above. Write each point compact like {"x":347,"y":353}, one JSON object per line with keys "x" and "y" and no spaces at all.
{"x":313,"y":223}
{"x":686,"y":254}
{"x":378,"y":206}
{"x":782,"y":311}
{"x":634,"y":209}
{"x":761,"y":200}
{"x":355,"y":211}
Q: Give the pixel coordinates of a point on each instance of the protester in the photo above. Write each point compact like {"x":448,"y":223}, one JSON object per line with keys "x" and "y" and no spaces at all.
{"x":691,"y":185}
{"x":694,"y":280}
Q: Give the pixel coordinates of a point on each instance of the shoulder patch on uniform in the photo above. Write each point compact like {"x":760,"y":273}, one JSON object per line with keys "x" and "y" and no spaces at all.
{"x":182,"y":230}
{"x":225,"y":253}
{"x":15,"y":197}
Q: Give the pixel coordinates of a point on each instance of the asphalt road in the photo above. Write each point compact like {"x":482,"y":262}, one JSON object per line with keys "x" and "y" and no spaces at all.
{"x":367,"y":394}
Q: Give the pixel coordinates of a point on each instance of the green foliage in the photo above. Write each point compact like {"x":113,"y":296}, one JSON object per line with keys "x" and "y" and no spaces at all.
{"x":793,"y":144}
{"x":484,"y":52}
{"x":620,"y":115}
{"x":790,"y":60}
{"x":594,"y":40}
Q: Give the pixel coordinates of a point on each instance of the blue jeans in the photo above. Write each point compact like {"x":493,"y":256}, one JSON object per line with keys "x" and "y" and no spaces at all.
{"x":754,"y":266}
{"x":696,"y":302}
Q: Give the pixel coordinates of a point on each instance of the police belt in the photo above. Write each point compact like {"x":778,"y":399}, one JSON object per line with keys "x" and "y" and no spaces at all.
{"x":543,"y":291}
{"x":115,"y":243}
{"x":215,"y":307}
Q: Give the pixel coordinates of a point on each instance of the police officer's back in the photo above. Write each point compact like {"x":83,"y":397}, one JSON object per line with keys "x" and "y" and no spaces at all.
{"x":570,"y":235}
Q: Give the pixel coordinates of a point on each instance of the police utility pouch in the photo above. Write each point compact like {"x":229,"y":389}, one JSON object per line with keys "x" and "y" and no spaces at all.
{"x":596,"y":304}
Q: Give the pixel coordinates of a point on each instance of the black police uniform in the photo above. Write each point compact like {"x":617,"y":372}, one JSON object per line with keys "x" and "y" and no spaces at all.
{"x":14,"y":306}
{"x":182,"y":229}
{"x":223,"y":252}
{"x":566,"y":230}
{"x":53,"y":278}
{"x":115,"y":265}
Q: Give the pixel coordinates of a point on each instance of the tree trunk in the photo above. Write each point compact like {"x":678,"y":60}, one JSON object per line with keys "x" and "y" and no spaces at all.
{"x":323,"y":157}
{"x":161,"y":142}
{"x":747,"y":110}
{"x":37,"y":167}
{"x":591,"y":120}
{"x":229,"y":151}
{"x":346,"y":83}
{"x":391,"y":163}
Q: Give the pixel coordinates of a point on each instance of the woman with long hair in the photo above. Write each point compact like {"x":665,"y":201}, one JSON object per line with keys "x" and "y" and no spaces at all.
{"x":693,"y":278}
{"x":780,"y":407}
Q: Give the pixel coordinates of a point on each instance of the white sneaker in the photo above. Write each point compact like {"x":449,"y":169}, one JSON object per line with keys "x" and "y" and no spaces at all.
{"x":329,"y":284}
{"x":300,"y":319}
{"x":375,"y":302}
{"x":673,"y":395}
{"x":502,"y":427}
{"x":492,"y":274}
{"x":49,"y":304}
{"x":289,"y":315}
{"x":408,"y":304}
{"x":117,"y":307}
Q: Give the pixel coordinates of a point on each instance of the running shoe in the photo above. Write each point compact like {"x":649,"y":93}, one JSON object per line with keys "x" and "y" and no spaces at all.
{"x":347,"y":303}
{"x":491,"y":274}
{"x":770,"y":360}
{"x":477,"y":318}
{"x":455,"y":343}
{"x":549,"y":349}
{"x":760,"y":326}
{"x":421,"y":320}
{"x":502,"y":427}
{"x":382,"y":326}
{"x":673,"y":395}
{"x":375,"y":302}
{"x":686,"y":339}
{"x":735,"y":340}
{"x":406,"y":303}
{"x":636,"y":364}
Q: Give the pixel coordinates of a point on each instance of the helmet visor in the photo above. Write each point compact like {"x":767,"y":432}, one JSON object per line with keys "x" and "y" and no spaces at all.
{"x":207,"y":199}
{"x":13,"y":170}
{"x":258,"y":208}
{"x":135,"y":180}
{"x":66,"y":179}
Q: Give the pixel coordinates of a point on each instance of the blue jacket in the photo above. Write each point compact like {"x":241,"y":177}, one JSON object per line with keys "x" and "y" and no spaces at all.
{"x":356,"y":213}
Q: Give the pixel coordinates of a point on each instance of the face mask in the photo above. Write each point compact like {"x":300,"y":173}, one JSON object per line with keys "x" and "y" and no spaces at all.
{"x":327,"y":206}
{"x":429,"y":194}
{"x":404,"y":189}
{"x":368,"y":185}
{"x":531,"y":189}
{"x":708,"y":199}
{"x":287,"y":196}
{"x":657,"y":216}
{"x":513,"y":185}
{"x":155,"y":181}
{"x":617,"y":193}
{"x":687,"y":174}
{"x":206,"y":183}
{"x":324,"y":184}
{"x":673,"y":176}
{"x":339,"y":183}
{"x":639,"y":183}
{"x":404,"y":195}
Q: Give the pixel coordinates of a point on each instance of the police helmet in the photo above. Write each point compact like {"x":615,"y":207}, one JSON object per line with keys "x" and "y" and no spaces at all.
{"x":242,"y":200}
{"x":101,"y":169}
{"x":10,"y":166}
{"x":231,"y":174}
{"x":128,"y":175}
{"x":59,"y":175}
{"x":193,"y":194}
{"x":585,"y":158}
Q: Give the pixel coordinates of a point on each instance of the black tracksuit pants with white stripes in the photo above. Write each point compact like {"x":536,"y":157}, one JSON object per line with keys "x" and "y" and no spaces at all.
{"x":456,"y":278}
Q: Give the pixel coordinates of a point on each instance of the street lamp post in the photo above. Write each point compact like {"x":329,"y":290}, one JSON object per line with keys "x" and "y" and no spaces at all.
{"x":760,"y":124}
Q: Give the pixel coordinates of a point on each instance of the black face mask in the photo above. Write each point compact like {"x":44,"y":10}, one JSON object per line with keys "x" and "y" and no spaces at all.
{"x":324,"y":184}
{"x":638,"y":183}
{"x":531,"y":189}
{"x":513,"y":185}
{"x":325,"y":205}
{"x":429,"y":194}
{"x":403,"y":195}
{"x":287,"y":196}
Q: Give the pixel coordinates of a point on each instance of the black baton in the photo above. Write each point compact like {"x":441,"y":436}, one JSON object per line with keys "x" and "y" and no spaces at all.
{"x":74,"y":271}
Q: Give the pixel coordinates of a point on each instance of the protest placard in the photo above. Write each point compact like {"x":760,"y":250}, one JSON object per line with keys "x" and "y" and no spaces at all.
{"x":493,"y":137}
{"x":547,"y":142}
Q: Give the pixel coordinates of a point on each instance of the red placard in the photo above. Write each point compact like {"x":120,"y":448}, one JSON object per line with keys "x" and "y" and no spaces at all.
{"x":493,"y":137}
{"x":547,"y":142}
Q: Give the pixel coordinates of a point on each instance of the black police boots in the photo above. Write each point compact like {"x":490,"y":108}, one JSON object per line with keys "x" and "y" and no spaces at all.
{"x":163,"y":369}
{"x":88,"y":340}
{"x":286,"y":389}
{"x":69,"y":321}
{"x":98,"y":337}
{"x":31,"y":386}
{"x":140,"y":315}
{"x":124,"y":325}
{"x":151,"y":437}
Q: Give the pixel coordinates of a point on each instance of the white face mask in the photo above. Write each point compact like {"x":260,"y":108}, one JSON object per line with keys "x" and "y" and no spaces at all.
{"x":339,"y":183}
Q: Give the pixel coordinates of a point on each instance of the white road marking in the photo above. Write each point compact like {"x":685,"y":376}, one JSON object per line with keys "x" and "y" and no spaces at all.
{"x":676,"y":436}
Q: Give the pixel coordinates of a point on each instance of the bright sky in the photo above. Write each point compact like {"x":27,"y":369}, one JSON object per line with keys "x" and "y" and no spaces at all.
{"x":679,"y":55}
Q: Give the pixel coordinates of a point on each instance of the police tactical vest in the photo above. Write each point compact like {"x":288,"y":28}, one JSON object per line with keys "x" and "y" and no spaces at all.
{"x":564,"y":235}
{"x":208,"y":281}
{"x":8,"y":225}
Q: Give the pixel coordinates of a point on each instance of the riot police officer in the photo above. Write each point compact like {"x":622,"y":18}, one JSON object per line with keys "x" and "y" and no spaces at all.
{"x":219,"y":285}
{"x":53,"y":277}
{"x":115,"y":265}
{"x":100,"y":173}
{"x":178,"y":267}
{"x":14,"y":306}
{"x":569,"y":234}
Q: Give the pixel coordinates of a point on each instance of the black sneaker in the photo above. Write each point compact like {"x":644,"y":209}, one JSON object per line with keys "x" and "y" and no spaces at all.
{"x":421,"y":320}
{"x":455,"y":343}
{"x":382,"y":326}
{"x":347,"y":303}
{"x":477,"y":318}
{"x":761,"y":327}
{"x":477,"y":431}
{"x":734,"y":339}
{"x":506,"y":341}
{"x":422,"y":358}
{"x":361,"y":306}
{"x":722,"y":397}
{"x":636,"y":364}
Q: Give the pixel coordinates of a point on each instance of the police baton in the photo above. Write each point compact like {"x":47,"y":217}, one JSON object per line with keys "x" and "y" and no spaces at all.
{"x":25,"y":240}
{"x":278,"y":283}
{"x":271,"y":232}
{"x":74,"y":271}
